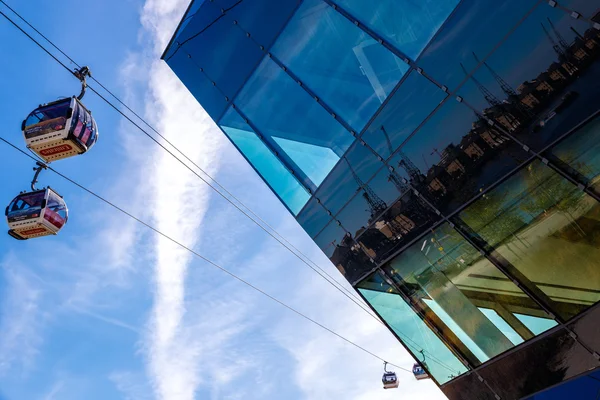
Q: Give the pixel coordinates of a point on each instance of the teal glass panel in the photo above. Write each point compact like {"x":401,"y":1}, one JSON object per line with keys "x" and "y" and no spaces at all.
{"x":536,"y":324}
{"x":284,"y":113}
{"x":549,"y":230}
{"x":348,"y":69}
{"x":442,"y":364}
{"x":409,"y":25}
{"x":281,"y":181}
{"x":443,"y":273}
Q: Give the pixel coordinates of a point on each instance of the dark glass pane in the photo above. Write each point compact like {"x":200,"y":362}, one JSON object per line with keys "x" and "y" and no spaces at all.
{"x":227,"y":63}
{"x":580,"y":153}
{"x":281,"y":181}
{"x":550,"y":73}
{"x":293,"y":121}
{"x":341,"y":63}
{"x":369,"y":203}
{"x":468,"y":387}
{"x":262,"y":18}
{"x":475,"y":26}
{"x":357,"y":166}
{"x":402,"y":222}
{"x":583,"y":387}
{"x":441,"y":363}
{"x":587,"y":329}
{"x":547,"y":229}
{"x":454,"y":156}
{"x":544,"y":363}
{"x":313,"y":218}
{"x":409,"y":25}
{"x":414,"y":100}
{"x":213,"y":101}
{"x":347,"y":257}
{"x":586,"y":8}
{"x":447,"y":275}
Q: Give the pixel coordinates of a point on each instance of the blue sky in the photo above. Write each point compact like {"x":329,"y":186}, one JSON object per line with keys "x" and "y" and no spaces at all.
{"x":108,"y":310}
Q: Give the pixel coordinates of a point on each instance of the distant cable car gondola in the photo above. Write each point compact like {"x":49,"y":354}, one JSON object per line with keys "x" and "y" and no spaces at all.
{"x":36,"y":213}
{"x":389,"y":378}
{"x":418,"y":370}
{"x":63,"y":128}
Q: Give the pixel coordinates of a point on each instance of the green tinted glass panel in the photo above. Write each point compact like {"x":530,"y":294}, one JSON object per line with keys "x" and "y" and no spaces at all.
{"x":549,"y":230}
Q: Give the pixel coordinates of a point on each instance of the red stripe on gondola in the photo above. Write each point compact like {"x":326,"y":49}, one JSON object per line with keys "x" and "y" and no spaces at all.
{"x":63,"y":148}
{"x":32,"y":231}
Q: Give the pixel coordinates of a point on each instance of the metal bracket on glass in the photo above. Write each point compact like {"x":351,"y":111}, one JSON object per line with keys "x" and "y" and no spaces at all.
{"x":552,"y":3}
{"x":596,"y":356}
{"x":459,"y":99}
{"x":444,"y":88}
{"x":575,"y":15}
{"x":596,"y":26}
{"x":545,"y":160}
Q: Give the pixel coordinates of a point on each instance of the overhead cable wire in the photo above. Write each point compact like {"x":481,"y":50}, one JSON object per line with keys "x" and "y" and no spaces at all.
{"x":202,"y":257}
{"x":281,"y":238}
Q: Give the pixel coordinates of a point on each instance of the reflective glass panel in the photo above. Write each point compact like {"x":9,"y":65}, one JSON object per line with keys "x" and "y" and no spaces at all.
{"x":356,"y":167}
{"x":409,"y":25}
{"x":281,"y":181}
{"x":454,"y":155}
{"x":587,"y":8}
{"x":292,"y":121}
{"x":313,"y":218}
{"x":223,"y":51}
{"x":262,"y":18}
{"x":476,"y":26}
{"x":454,"y":280}
{"x":409,"y":105}
{"x":549,"y":230}
{"x":343,"y":65}
{"x":544,"y":78}
{"x":213,"y":101}
{"x":580,"y":153}
{"x":410,"y":328}
{"x":543,"y":364}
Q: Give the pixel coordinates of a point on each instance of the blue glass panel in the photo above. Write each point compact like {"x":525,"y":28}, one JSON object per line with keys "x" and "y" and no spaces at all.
{"x":475,"y":26}
{"x":262,"y":18}
{"x":550,"y":64}
{"x":202,"y":89}
{"x":198,"y":16}
{"x":587,"y":8}
{"x":313,"y":218}
{"x":285,"y":113}
{"x":408,"y":24}
{"x":343,"y":65}
{"x":441,"y":363}
{"x":454,"y":156}
{"x":225,"y":53}
{"x":342,"y":183}
{"x":414,"y":100}
{"x":264,"y":161}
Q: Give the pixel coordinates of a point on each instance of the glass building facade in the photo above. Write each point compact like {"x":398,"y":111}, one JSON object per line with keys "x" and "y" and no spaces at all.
{"x":445,"y":156}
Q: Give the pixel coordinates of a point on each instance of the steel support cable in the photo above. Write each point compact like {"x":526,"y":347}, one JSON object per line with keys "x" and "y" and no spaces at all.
{"x":352,"y":296}
{"x":342,"y":289}
{"x":204,"y":258}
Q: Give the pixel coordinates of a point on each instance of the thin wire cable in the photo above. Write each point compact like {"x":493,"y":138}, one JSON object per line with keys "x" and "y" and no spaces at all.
{"x":339,"y":286}
{"x":206,"y":259}
{"x":342,"y":289}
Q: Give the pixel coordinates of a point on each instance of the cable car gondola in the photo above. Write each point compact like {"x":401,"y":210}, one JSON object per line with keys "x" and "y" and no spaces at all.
{"x":418,"y":370}
{"x":389,"y":378}
{"x":36,"y":213}
{"x":63,"y":128}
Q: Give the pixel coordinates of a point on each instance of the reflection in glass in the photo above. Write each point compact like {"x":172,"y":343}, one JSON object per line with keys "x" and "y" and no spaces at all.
{"x":414,"y":100}
{"x":313,"y":217}
{"x":580,"y":153}
{"x":549,"y":230}
{"x":414,"y":333}
{"x":454,"y":155}
{"x":340,"y":62}
{"x":409,"y":25}
{"x":448,"y":276}
{"x":293,"y":122}
{"x":475,"y":26}
{"x":282,"y":182}
{"x":543,"y":80}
